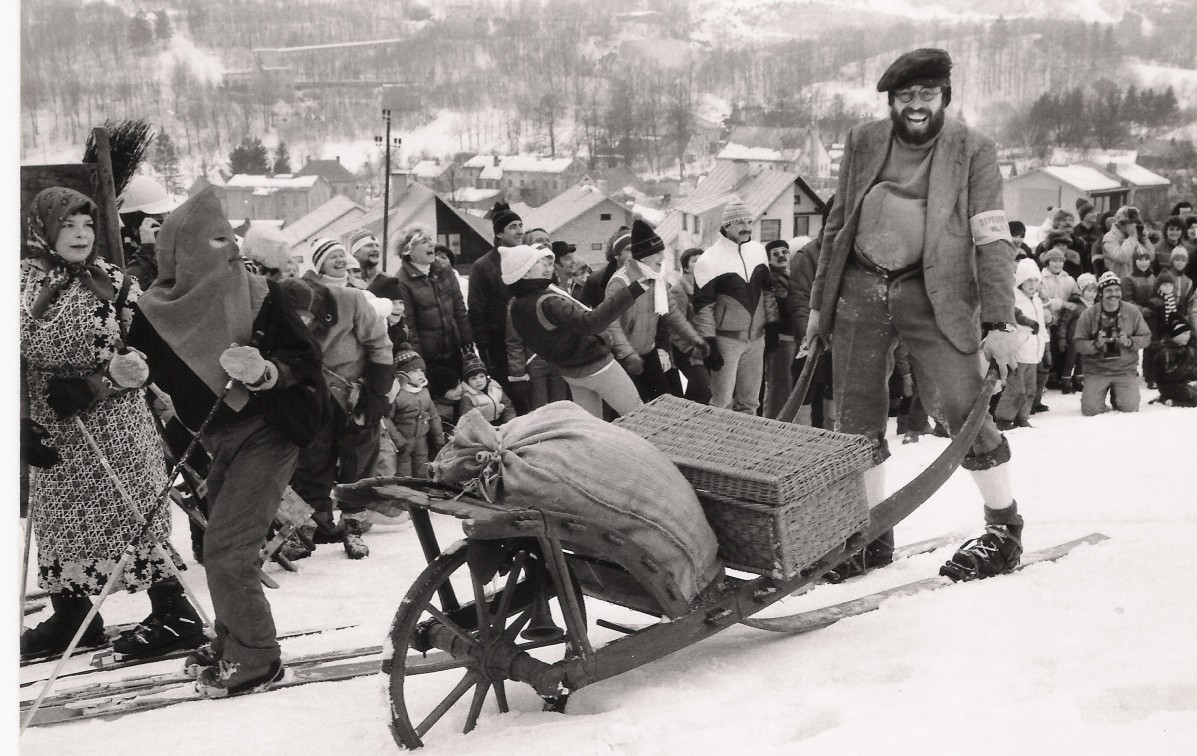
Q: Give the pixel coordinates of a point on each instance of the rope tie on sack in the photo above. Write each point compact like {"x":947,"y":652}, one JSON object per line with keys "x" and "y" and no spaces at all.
{"x":486,"y":482}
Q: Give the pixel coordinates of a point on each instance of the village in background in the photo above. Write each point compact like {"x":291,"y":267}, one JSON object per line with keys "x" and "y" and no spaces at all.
{"x":582,"y":120}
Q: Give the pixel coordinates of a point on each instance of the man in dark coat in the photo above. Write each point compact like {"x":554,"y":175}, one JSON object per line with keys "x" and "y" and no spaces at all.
{"x":918,"y":247}
{"x":487,"y":302}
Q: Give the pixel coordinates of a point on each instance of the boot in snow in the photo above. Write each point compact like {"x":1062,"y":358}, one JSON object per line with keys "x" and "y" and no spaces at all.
{"x":294,"y":548}
{"x":227,"y":678}
{"x":870,"y":558}
{"x":327,"y":530}
{"x":199,"y":660}
{"x":54,"y":635}
{"x":995,"y":552}
{"x":355,"y":547}
{"x":173,"y":624}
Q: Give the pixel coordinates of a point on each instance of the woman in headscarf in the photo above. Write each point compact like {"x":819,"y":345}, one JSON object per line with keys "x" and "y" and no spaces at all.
{"x":83,"y":387}
{"x":204,"y":325}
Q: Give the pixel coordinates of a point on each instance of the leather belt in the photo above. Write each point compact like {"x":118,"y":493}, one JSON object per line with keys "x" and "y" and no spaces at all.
{"x":887,"y":274}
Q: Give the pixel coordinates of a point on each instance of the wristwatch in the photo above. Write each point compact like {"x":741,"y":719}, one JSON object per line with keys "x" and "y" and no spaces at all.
{"x":997,"y":325}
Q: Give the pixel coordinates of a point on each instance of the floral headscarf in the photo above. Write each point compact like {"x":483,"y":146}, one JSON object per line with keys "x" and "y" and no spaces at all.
{"x":51,"y":207}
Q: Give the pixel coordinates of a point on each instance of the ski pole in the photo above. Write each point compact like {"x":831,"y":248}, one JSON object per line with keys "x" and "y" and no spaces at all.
{"x":25,"y":557}
{"x":124,"y":561}
{"x":140,"y":520}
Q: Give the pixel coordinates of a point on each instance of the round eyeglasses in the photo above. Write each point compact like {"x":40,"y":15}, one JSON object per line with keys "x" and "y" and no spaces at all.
{"x":926,"y":94}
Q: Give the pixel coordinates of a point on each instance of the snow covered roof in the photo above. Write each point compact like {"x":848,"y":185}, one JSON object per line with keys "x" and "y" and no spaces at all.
{"x":491,"y":172}
{"x":282,"y":181}
{"x":566,"y":206}
{"x":1070,"y":155}
{"x":1138,"y":175}
{"x":310,"y":225}
{"x":733,"y":151}
{"x":473,"y":194}
{"x":429,"y":169}
{"x":332,"y":170}
{"x":535,"y":164}
{"x":480,"y":161}
{"x":1080,"y":176}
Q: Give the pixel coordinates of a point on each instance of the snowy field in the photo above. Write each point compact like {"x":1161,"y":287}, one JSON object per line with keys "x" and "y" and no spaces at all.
{"x":1095,"y":654}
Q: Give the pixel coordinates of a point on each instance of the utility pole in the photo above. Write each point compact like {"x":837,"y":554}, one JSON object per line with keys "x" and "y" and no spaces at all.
{"x":386,"y":142}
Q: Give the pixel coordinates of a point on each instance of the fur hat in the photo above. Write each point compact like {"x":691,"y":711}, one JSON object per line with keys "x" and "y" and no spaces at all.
{"x":408,"y":359}
{"x":305,"y":294}
{"x":1058,"y":237}
{"x":1128,"y":214}
{"x":928,"y":66}
{"x":502,"y":216}
{"x":733,"y":211}
{"x":266,"y":245}
{"x":1084,"y":280}
{"x":1108,"y":279}
{"x":320,"y":250}
{"x":1027,"y":270}
{"x":1051,"y":253}
{"x":473,"y":365}
{"x":361,"y":238}
{"x":1083,"y":207}
{"x":645,"y":242}
{"x":518,"y":260}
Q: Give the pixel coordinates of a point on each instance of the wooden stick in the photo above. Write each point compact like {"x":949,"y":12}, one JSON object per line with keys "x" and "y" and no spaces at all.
{"x":107,"y":189}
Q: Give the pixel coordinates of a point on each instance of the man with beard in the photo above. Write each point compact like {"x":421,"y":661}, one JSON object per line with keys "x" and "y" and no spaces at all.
{"x":917,"y":247}
{"x":364,"y":247}
{"x":733,"y":303}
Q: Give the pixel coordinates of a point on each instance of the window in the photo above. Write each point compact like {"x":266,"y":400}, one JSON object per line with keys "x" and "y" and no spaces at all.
{"x":685,"y":224}
{"x":596,"y":246}
{"x":452,"y":241}
{"x":801,"y":225}
{"x":698,"y":225}
{"x":770,"y":229}
{"x":604,"y":216}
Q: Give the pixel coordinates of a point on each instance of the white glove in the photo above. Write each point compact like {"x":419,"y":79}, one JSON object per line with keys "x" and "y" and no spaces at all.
{"x":148,"y":231}
{"x":1002,"y":348}
{"x":247,"y":365}
{"x":666,"y":364}
{"x":129,"y":370}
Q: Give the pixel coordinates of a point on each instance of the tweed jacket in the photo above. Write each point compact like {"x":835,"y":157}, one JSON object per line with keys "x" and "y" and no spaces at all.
{"x":968,"y":258}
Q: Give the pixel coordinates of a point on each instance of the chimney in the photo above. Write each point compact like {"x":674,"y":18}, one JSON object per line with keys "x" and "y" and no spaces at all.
{"x":338,"y":158}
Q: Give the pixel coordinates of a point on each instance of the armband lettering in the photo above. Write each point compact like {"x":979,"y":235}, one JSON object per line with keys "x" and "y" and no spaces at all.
{"x":989,"y":226}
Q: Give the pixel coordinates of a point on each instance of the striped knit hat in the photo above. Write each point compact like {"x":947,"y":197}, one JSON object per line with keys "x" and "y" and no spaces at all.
{"x":645,"y":241}
{"x":361,"y":238}
{"x":620,"y":243}
{"x":320,"y":249}
{"x":735,"y":211}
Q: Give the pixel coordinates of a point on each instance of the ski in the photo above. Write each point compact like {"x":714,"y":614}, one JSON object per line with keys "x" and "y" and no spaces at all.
{"x":129,"y":702}
{"x":816,"y":619}
{"x":902,"y":552}
{"x":106,"y":658}
{"x":127,"y":686}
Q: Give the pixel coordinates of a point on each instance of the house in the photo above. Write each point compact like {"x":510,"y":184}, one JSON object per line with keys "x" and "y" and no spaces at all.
{"x":779,"y":149}
{"x":336,"y":212}
{"x":782,"y":204}
{"x":338,"y":176}
{"x":581,"y":215}
{"x":444,"y":177}
{"x":284,"y":197}
{"x":536,"y":180}
{"x":704,"y":141}
{"x":472,"y":169}
{"x":413,"y":203}
{"x":1030,"y":195}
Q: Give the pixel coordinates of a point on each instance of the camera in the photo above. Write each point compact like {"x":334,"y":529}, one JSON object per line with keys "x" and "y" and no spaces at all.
{"x":1111,"y":348}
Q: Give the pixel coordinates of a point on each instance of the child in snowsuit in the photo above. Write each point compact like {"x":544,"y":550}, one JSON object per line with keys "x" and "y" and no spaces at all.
{"x":1014,"y":408}
{"x":479,"y":392}
{"x":1176,"y":367}
{"x":413,"y":425}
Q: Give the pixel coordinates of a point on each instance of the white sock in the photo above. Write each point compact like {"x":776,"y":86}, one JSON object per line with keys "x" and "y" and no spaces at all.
{"x":874,"y":483}
{"x":994,"y":485}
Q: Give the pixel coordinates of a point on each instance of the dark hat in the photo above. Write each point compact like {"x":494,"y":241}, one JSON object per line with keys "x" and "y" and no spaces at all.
{"x":1128,"y":214}
{"x":408,"y":359}
{"x":473,"y":365}
{"x":1165,"y":276}
{"x":619,"y":243}
{"x":441,"y":248}
{"x":561,"y":249}
{"x":1178,"y":327}
{"x":927,"y":65}
{"x":689,"y":255}
{"x":1108,"y":279}
{"x":501,"y":216}
{"x":777,"y":243}
{"x":645,"y":242}
{"x":441,"y":378}
{"x":1058,"y":237}
{"x":1083,"y":207}
{"x":1017,"y":228}
{"x":305,"y":294}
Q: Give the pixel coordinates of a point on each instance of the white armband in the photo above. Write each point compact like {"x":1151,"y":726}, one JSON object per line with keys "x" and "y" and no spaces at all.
{"x":989,"y":226}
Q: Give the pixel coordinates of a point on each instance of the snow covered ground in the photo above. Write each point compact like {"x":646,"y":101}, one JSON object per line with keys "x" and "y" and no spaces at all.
{"x":1095,"y":654}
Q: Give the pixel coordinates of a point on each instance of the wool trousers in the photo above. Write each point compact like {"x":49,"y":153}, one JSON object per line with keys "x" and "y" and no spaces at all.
{"x":738,"y":385}
{"x":1123,"y":391}
{"x":251,"y":463}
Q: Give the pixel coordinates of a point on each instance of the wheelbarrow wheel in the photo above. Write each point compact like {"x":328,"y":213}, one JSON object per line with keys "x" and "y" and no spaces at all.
{"x":473,"y":604}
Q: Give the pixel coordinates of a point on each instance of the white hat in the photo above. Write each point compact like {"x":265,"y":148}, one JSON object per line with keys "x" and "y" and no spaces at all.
{"x":1027,"y":270}
{"x":144,"y":194}
{"x":518,"y":260}
{"x":266,"y":245}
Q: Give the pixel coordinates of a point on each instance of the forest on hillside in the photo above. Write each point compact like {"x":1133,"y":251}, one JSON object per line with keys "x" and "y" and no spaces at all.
{"x":556,"y":78}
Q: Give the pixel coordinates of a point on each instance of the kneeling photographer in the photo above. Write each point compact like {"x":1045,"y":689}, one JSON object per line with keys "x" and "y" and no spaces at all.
{"x":1109,"y":336}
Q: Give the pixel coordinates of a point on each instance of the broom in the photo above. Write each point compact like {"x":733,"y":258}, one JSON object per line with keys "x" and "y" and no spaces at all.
{"x":128,"y":142}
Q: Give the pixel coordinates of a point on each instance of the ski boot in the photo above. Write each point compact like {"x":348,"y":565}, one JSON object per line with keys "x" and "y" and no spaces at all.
{"x":227,"y":678}
{"x":53,"y":636}
{"x":870,"y":558}
{"x":173,"y":624}
{"x":996,"y":552}
{"x":199,"y":660}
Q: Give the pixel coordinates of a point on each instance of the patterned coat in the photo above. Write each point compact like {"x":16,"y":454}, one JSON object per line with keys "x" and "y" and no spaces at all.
{"x":81,"y":521}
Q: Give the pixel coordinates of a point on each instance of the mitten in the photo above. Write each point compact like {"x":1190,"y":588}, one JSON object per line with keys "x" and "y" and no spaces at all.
{"x":714,"y":359}
{"x":772,"y":336}
{"x":1035,"y":327}
{"x":67,"y":396}
{"x":632,"y":364}
{"x":36,"y":449}
{"x":247,"y":365}
{"x":129,"y":370}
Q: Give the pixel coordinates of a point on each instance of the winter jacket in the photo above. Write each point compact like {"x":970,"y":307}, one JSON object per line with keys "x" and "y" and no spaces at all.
{"x":564,"y":331}
{"x":412,"y":416}
{"x":733,"y":291}
{"x":1162,"y":259}
{"x":1058,"y":290}
{"x":680,"y":297}
{"x":1129,"y":322}
{"x":1118,"y":251}
{"x":802,"y":277}
{"x":639,"y":329}
{"x":1032,"y":339}
{"x":1175,"y":368}
{"x":494,"y":405}
{"x":1137,"y":289}
{"x":296,"y":406}
{"x":487,"y":311}
{"x":357,"y":336}
{"x":435,"y":312}
{"x":1066,"y":326}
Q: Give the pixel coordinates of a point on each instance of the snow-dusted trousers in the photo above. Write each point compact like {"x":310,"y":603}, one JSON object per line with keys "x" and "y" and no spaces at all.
{"x":251,"y":463}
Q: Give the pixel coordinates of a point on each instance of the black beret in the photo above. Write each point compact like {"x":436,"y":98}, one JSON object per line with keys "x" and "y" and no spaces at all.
{"x":561,"y":249}
{"x":923,"y":65}
{"x":777,"y":243}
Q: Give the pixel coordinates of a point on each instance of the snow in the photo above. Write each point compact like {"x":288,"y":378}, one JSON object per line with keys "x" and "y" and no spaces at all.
{"x":1093,"y":654}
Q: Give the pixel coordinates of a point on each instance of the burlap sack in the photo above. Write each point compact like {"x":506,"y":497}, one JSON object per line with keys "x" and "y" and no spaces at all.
{"x":560,"y":458}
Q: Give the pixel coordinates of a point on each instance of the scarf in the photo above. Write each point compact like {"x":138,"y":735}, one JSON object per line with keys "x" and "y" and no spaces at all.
{"x":204,"y":300}
{"x":332,"y":281}
{"x":50,"y":208}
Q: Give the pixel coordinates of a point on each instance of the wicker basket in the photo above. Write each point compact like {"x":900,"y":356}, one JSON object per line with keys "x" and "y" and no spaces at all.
{"x":777,"y":495}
